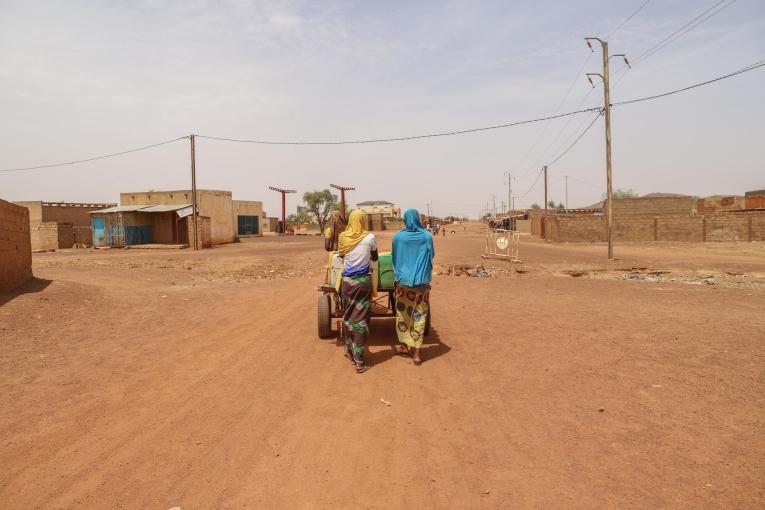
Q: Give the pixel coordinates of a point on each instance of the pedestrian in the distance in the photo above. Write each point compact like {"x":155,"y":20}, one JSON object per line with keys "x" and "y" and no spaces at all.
{"x":358,"y":248}
{"x":413,"y":253}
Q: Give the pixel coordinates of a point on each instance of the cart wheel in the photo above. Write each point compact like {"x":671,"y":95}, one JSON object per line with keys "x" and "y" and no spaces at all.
{"x":427,"y":321}
{"x":325,"y":316}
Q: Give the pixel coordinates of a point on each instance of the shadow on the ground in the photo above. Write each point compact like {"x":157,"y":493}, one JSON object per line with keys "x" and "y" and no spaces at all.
{"x":382,"y":333}
{"x":33,"y":285}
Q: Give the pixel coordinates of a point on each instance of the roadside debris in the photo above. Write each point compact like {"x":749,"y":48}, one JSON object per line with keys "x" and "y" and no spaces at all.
{"x":385,"y":402}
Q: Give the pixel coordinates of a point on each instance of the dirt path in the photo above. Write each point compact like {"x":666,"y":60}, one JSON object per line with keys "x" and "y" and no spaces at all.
{"x":128,"y":380}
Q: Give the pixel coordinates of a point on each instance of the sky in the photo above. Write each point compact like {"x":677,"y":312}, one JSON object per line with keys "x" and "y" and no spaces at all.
{"x":80,"y":79}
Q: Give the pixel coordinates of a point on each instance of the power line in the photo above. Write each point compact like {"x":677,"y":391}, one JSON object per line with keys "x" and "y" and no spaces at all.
{"x":627,"y":20}
{"x":94,"y":158}
{"x":674,"y":36}
{"x":592,"y":122}
{"x":748,"y":68}
{"x":532,"y":184}
{"x":683,"y":30}
{"x":401,"y":138}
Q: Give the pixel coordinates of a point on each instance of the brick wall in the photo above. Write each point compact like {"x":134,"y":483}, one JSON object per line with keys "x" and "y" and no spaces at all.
{"x":83,"y":235}
{"x":653,"y":205}
{"x":733,"y":226}
{"x":50,"y":235}
{"x":203,"y":227}
{"x":755,"y":199}
{"x":15,"y":246}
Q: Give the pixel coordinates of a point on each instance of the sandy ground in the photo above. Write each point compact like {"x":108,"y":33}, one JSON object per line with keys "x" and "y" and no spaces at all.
{"x":155,"y":379}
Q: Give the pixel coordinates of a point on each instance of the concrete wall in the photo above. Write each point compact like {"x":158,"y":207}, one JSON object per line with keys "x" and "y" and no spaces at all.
{"x":203,"y":229}
{"x":15,"y":246}
{"x":248,"y":208}
{"x":35,"y":210}
{"x":654,"y":205}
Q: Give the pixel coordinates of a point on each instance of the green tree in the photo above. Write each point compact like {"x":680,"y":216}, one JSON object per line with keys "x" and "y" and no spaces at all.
{"x":622,"y":193}
{"x":535,"y":206}
{"x":561,"y":206}
{"x":551,"y":204}
{"x":319,"y":204}
{"x":301,"y":218}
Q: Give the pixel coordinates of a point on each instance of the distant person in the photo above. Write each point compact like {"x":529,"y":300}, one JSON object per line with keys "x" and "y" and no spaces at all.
{"x":413,"y":253}
{"x":358,"y":248}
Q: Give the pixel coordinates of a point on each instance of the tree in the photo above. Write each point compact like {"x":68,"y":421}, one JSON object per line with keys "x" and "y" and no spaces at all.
{"x":622,"y":193}
{"x":535,"y":206}
{"x":319,"y":204}
{"x":301,"y":218}
{"x":551,"y":204}
{"x":561,"y":206}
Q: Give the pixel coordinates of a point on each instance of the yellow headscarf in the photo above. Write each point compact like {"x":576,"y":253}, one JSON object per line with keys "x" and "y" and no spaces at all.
{"x":354,"y":233}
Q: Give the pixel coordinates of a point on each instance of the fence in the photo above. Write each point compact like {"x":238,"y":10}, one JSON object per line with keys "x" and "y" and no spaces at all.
{"x":502,"y":243}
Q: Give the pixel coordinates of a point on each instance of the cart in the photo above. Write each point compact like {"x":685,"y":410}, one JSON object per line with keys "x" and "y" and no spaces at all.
{"x":330,"y":305}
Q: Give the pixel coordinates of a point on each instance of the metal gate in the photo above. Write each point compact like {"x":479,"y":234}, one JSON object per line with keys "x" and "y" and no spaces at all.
{"x":502,"y":243}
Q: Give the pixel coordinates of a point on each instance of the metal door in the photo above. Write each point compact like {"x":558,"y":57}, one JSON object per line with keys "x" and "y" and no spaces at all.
{"x":99,"y":232}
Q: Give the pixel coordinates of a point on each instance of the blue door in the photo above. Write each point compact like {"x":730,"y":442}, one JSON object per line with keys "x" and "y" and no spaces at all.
{"x":99,"y":232}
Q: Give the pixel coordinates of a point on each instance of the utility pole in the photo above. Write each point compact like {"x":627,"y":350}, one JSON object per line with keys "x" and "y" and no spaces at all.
{"x":566,"y":191}
{"x":194,"y":192}
{"x":284,"y":208}
{"x":607,"y":109}
{"x":342,"y":189}
{"x":494,"y":204}
{"x":428,"y":206}
{"x":545,"y":169}
{"x":509,"y":192}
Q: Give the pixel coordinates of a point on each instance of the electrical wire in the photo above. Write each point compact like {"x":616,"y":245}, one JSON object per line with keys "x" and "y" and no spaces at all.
{"x":532,"y":184}
{"x":592,"y":122}
{"x":674,"y":36}
{"x":401,"y":138}
{"x":94,"y":158}
{"x":748,"y":68}
{"x":599,"y":188}
{"x":627,"y":20}
{"x":683,"y":30}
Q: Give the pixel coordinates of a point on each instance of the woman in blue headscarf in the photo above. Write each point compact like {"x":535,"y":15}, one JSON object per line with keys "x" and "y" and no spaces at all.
{"x":413,"y":253}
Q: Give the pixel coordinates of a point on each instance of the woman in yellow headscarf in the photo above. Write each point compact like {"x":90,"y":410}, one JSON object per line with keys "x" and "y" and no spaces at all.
{"x":358,"y":248}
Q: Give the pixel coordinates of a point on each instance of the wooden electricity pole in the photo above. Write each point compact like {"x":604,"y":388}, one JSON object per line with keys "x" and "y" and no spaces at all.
{"x":607,"y":111}
{"x":284,"y":207}
{"x":342,"y":189}
{"x":567,"y":192}
{"x":194,"y":193}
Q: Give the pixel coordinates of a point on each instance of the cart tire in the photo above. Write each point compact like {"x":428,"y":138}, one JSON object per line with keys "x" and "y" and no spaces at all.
{"x":427,"y":321}
{"x":325,"y":316}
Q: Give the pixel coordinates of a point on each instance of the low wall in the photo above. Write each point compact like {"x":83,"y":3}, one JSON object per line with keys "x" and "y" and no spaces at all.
{"x":49,"y":235}
{"x":15,"y":246}
{"x":739,"y":226}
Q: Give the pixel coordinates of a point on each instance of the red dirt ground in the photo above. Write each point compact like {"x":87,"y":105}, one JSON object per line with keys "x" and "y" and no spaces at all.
{"x":154,"y":379}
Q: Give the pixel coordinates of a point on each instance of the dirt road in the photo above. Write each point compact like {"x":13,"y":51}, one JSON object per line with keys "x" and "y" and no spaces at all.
{"x":154,"y":379}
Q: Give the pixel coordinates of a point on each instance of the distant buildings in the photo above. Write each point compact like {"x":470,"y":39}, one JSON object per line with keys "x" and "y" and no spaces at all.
{"x":56,"y":225}
{"x":387,"y":209}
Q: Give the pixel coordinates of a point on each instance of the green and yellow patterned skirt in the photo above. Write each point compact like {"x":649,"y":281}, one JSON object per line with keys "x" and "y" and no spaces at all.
{"x":412,"y":314}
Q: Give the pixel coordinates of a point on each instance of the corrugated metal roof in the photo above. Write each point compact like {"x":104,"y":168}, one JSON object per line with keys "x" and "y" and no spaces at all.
{"x":165,"y":208}
{"x":120,"y":208}
{"x":142,"y":208}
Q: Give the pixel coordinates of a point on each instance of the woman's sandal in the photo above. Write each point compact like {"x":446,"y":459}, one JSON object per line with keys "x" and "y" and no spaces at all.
{"x":360,"y":369}
{"x":405,"y":353}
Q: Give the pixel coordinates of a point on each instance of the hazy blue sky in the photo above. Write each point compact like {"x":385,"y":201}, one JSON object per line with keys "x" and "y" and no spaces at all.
{"x":79,"y":79}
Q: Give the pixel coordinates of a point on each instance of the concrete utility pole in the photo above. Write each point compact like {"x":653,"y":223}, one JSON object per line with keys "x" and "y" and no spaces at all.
{"x":342,"y":189}
{"x":194,"y":192}
{"x":284,"y":208}
{"x":607,"y":110}
{"x":545,"y":169}
{"x":566,"y":191}
{"x":509,"y":191}
{"x":428,"y":206}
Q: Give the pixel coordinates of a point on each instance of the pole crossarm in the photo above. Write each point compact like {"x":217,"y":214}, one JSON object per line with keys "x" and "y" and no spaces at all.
{"x":282,"y":190}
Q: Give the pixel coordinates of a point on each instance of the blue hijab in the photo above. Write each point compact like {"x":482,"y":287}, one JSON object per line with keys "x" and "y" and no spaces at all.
{"x":413,"y":252}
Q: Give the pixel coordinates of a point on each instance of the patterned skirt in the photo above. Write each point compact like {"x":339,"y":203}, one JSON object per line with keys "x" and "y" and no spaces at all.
{"x":356,"y":293}
{"x":412,"y":314}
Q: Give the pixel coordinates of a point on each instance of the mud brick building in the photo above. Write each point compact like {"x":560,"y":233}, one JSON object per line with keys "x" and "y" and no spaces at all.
{"x":654,"y":219}
{"x":754,"y":199}
{"x":55,"y":225}
{"x":165,"y":217}
{"x":15,"y":246}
